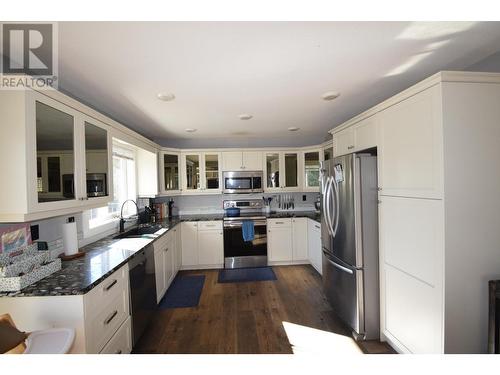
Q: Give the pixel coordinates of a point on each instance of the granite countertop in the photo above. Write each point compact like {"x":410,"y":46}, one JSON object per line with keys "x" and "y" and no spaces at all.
{"x":106,"y":255}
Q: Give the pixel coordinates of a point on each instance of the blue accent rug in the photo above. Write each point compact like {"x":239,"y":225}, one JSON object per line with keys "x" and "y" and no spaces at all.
{"x":185,"y":291}
{"x":240,"y":275}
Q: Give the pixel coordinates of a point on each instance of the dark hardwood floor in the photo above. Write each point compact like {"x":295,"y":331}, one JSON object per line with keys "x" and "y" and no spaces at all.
{"x":288,"y":315}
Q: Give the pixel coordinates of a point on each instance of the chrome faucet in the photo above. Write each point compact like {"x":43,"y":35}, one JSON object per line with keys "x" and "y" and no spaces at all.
{"x":122,"y":220}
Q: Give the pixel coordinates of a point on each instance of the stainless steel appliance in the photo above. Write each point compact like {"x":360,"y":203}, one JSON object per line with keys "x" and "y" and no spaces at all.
{"x":96,"y":185}
{"x":237,"y":252}
{"x":142,"y":290}
{"x":242,"y":182}
{"x":349,"y":225}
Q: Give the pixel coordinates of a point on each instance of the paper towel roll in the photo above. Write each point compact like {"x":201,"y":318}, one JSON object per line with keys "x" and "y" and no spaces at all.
{"x":70,"y":238}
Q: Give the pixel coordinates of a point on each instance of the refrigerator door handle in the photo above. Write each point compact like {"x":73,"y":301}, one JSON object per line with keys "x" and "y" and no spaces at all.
{"x":336,"y":265}
{"x":326,"y":206}
{"x":337,"y":206}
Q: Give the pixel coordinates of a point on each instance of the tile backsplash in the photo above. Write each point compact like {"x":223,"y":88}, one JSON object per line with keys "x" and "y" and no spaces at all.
{"x":198,"y":204}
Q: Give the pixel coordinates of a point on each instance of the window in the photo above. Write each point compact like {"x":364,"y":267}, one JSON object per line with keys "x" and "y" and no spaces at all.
{"x":124,"y":187}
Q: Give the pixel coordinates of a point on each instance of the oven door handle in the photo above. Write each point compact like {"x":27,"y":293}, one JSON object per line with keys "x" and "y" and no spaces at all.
{"x":239,"y":224}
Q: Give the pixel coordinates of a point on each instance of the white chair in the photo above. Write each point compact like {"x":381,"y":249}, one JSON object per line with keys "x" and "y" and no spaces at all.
{"x":47,"y":341}
{"x":50,"y":341}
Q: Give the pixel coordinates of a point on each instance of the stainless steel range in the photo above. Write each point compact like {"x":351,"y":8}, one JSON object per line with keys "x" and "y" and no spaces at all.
{"x":237,"y":252}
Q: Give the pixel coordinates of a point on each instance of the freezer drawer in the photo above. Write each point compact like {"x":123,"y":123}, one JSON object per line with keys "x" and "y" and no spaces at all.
{"x":343,"y":286}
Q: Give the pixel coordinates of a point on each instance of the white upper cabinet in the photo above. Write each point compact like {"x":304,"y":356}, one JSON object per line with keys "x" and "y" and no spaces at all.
{"x":365,"y":133}
{"x":281,"y":171}
{"x":169,"y":172}
{"x":211,"y":172}
{"x":62,"y":158}
{"x":200,"y":172}
{"x":357,"y":137}
{"x":241,"y":161}
{"x":344,"y":141}
{"x":411,"y":147}
{"x":310,"y":163}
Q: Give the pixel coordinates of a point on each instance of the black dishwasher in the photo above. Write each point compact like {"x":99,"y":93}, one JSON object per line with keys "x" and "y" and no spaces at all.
{"x":142,"y":291}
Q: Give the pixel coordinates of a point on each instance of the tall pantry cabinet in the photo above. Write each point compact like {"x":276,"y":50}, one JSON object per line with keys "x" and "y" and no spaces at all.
{"x":438,"y":146}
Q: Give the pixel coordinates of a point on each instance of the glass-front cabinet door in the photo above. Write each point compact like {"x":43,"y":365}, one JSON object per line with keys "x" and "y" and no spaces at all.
{"x":328,"y":153}
{"x":192,"y":172}
{"x":311,"y":169}
{"x":171,"y":172}
{"x":211,"y":172}
{"x":291,"y":168}
{"x":272,"y":172}
{"x":56,"y":177}
{"x":97,"y":179}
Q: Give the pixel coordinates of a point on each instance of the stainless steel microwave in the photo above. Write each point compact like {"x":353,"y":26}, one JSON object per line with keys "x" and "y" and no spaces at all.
{"x":242,"y":182}
{"x":96,"y":185}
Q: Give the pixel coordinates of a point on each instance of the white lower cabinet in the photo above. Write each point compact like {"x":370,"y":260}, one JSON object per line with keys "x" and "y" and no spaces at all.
{"x":299,"y":240}
{"x":210,"y":243}
{"x":189,"y":234}
{"x":106,"y":308}
{"x":202,"y":244}
{"x":279,"y":240}
{"x":164,"y":254}
{"x":121,"y":342}
{"x":314,"y":245}
{"x":413,"y":313}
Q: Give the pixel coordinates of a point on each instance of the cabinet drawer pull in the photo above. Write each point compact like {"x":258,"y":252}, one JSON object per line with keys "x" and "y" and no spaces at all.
{"x":350,"y":147}
{"x":317,"y":226}
{"x":110,"y":285}
{"x":279,"y":222}
{"x":118,"y":352}
{"x":111,"y":317}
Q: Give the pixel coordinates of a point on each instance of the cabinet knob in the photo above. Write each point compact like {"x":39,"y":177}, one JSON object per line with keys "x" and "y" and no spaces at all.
{"x":379,"y":189}
{"x":350,"y":147}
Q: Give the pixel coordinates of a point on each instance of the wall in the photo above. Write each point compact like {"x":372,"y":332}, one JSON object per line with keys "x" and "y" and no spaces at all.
{"x":199,"y":204}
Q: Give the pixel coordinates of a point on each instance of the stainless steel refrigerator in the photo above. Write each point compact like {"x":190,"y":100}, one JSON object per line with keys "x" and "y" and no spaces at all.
{"x":349,"y":226}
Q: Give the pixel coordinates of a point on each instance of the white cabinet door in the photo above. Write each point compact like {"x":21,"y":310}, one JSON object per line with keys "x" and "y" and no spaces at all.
{"x":177,"y":248}
{"x":413,"y":312}
{"x":159,"y":274}
{"x":279,"y":240}
{"x":344,"y":142}
{"x":252,"y":160}
{"x":189,"y":234}
{"x":210,"y":247}
{"x":411,"y":235}
{"x":314,"y":245}
{"x":411,"y":147}
{"x":232,"y":161}
{"x":168,"y":263}
{"x":299,"y":233}
{"x":365,"y":133}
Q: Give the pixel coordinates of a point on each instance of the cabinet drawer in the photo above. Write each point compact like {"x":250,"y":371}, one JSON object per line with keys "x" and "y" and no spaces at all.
{"x":210,"y":225}
{"x":273,"y":223}
{"x":102,"y":294}
{"x":313,"y":225}
{"x":102,"y":323}
{"x":121,"y":342}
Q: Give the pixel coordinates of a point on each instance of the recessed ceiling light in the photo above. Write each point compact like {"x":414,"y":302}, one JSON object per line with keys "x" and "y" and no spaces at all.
{"x":245,"y":116}
{"x":293,"y":128}
{"x":330,"y":95}
{"x":168,"y":97}
{"x":191,"y":130}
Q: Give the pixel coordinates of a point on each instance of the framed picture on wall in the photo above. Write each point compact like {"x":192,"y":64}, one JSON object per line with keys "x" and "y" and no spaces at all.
{"x":14,"y":237}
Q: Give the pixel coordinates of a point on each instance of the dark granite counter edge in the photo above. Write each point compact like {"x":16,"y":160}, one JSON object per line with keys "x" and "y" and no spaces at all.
{"x":169,"y":224}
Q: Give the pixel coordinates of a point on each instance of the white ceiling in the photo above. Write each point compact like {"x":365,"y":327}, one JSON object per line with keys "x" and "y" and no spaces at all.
{"x":276,"y":71}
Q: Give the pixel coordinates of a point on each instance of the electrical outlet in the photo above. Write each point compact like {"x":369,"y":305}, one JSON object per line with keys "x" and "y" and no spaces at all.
{"x":35,"y":234}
